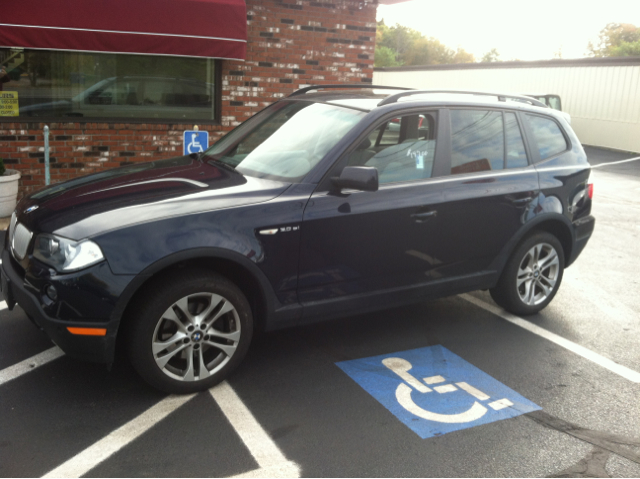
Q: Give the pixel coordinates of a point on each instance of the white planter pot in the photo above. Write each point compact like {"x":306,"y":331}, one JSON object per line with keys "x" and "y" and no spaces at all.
{"x":8,"y":192}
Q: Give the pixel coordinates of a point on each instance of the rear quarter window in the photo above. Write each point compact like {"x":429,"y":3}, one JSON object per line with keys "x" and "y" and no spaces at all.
{"x":549,"y":137}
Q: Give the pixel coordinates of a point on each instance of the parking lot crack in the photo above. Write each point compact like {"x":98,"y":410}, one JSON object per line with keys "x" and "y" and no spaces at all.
{"x":591,"y":466}
{"x":626,"y":447}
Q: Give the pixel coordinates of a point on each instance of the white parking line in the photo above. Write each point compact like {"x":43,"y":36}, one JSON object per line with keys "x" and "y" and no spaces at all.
{"x":106,"y":447}
{"x":28,"y":365}
{"x":612,"y":366}
{"x":3,"y":305}
{"x":266,"y":453}
{"x":270,"y":459}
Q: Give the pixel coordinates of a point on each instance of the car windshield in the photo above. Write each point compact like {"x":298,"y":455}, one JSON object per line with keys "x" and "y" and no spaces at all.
{"x":285,"y":141}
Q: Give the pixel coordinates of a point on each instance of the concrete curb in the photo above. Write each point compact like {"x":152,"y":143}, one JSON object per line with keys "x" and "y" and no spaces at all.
{"x":4,"y":223}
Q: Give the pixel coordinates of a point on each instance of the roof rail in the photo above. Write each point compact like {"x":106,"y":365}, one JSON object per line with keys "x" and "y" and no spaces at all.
{"x":302,"y":91}
{"x":501,"y":96}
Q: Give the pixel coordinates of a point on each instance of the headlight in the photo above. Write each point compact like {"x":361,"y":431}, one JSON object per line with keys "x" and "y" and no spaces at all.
{"x":66,"y":255}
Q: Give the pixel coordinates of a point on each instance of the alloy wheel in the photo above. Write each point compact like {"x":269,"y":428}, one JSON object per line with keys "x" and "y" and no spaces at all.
{"x":196,"y":336}
{"x":538,"y":274}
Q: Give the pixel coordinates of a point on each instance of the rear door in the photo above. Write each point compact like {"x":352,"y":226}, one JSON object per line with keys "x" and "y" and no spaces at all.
{"x":491,"y":190}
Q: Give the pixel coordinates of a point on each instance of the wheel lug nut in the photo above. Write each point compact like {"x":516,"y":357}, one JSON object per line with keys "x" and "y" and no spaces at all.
{"x":197,"y":346}
{"x":190,"y":328}
{"x":186,"y":340}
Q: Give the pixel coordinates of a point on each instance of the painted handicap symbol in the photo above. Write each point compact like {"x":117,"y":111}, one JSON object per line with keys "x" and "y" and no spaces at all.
{"x":451,"y":395}
{"x":403,"y":395}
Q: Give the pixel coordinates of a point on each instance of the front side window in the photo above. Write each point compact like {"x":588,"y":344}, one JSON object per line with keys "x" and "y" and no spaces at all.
{"x":402,"y":148}
{"x":56,"y":84}
{"x":286,"y":141}
{"x":548,"y":136}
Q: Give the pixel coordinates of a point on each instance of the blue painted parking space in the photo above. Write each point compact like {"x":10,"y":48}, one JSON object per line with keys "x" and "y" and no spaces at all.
{"x":434,"y":392}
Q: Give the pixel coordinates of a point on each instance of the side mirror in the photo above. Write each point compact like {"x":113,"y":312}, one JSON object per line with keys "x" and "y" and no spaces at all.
{"x":364,"y":178}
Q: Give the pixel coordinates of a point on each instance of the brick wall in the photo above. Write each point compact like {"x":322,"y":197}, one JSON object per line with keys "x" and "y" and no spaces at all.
{"x":291,"y":43}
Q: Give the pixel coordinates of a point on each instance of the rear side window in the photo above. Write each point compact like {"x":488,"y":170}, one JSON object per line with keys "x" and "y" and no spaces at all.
{"x":477,"y":141}
{"x":548,"y":136}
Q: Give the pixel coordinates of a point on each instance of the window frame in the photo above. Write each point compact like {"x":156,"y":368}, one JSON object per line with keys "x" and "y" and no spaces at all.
{"x":527,"y":151}
{"x":216,"y":121}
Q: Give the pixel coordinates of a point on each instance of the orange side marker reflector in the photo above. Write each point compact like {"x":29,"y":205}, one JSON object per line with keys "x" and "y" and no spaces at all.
{"x":88,"y":331}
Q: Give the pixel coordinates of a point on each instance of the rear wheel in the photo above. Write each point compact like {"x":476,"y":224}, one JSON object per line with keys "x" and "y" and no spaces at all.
{"x":190,"y":332}
{"x":532,"y":275}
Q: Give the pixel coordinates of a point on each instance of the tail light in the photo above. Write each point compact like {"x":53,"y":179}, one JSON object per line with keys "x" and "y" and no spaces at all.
{"x":590,"y":190}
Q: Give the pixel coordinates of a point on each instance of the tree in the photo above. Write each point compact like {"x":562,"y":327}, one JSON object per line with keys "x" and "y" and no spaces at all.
{"x":491,"y":56}
{"x":386,"y":57}
{"x":626,"y":49}
{"x":399,"y":45}
{"x":463,"y":56}
{"x":427,"y":51}
{"x":397,"y":38}
{"x":617,"y":39}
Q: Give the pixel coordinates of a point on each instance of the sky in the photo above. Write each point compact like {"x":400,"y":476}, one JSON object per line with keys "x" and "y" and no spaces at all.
{"x":535,"y":30}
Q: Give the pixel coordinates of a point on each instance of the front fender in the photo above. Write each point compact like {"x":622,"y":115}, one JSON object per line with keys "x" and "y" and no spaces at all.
{"x":201,"y":254}
{"x":149,"y":243}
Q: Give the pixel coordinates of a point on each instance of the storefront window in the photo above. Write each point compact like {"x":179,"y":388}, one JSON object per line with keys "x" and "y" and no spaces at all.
{"x":104,"y":85}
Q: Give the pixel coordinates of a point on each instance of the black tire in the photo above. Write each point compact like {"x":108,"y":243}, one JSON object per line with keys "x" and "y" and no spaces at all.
{"x":158,"y":318}
{"x":522,"y":292}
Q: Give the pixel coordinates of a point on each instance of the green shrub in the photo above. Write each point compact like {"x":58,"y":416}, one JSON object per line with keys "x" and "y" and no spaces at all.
{"x":2,"y":168}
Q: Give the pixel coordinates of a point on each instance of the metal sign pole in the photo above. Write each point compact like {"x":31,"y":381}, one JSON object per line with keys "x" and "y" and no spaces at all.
{"x":47,"y":177}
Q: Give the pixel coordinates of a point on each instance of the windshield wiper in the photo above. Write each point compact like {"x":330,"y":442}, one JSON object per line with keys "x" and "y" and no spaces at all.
{"x":216,"y":162}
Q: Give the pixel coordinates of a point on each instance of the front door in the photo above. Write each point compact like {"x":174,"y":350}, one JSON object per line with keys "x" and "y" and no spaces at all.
{"x":355,"y":242}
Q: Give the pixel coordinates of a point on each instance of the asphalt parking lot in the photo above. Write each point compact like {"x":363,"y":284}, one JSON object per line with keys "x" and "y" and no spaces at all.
{"x":292,"y":409}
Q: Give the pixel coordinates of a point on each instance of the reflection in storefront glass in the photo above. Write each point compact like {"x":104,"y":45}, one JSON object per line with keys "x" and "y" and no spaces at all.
{"x":104,"y":85}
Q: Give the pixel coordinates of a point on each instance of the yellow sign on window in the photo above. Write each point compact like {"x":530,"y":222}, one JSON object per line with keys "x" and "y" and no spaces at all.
{"x":9,"y":103}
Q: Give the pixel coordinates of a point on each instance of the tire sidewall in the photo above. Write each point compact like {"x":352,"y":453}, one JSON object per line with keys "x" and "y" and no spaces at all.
{"x":151,"y":307}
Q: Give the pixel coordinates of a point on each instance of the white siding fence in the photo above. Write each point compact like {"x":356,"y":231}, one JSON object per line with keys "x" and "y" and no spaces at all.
{"x":602,"y":95}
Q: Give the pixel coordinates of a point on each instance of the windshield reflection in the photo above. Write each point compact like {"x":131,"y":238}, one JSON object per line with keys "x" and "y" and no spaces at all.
{"x":287,"y":141}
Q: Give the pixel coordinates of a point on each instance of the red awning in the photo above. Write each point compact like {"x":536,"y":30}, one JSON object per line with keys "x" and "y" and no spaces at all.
{"x":198,"y":28}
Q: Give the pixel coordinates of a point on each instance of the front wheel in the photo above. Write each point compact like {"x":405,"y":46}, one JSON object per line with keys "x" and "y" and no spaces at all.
{"x":189,"y":332}
{"x":532,"y":276}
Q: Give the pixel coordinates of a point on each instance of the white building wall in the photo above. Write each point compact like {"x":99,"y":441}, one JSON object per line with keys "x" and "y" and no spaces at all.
{"x":603,"y":101}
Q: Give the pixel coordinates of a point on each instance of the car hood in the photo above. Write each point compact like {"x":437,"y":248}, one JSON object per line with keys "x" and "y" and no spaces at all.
{"x":139,"y":193}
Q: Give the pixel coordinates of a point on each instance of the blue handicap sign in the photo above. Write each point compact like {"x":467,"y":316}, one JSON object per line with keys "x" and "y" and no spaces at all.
{"x":434,"y":392}
{"x":195,"y":141}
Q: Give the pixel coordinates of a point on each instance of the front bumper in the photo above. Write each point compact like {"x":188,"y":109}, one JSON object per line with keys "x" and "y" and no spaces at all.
{"x":92,"y":348}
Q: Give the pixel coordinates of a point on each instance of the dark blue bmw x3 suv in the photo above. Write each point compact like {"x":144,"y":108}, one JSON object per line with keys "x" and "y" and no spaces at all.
{"x":324,"y":204}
